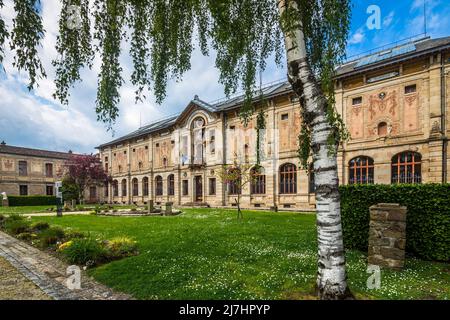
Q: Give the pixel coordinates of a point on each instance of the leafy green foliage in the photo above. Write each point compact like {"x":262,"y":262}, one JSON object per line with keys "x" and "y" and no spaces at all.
{"x":17,"y":201}
{"x":74,"y":48}
{"x":3,"y":34}
{"x":39,"y":226}
{"x":428,"y":216}
{"x":120,"y":247}
{"x":26,"y":37}
{"x":84,"y":251}
{"x":16,"y":225}
{"x":50,"y":236}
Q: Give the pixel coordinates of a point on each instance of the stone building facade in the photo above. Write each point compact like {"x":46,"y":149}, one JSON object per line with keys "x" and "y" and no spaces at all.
{"x":25,"y":171}
{"x":395,"y":104}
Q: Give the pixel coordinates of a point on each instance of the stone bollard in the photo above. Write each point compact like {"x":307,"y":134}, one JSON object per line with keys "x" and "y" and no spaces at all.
{"x":74,"y":204}
{"x":169,"y":208}
{"x":387,"y":235}
{"x":151,"y":208}
{"x":5,"y":202}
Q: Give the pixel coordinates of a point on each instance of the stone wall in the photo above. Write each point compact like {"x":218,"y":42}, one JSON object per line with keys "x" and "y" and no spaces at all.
{"x":387,"y":235}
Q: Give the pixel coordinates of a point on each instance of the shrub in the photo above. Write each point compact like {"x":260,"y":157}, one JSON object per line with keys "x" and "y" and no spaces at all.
{"x":16,"y":226}
{"x":27,"y":236}
{"x":50,"y":236}
{"x":86,"y":251}
{"x":40,"y":225}
{"x":427,"y":218}
{"x":71,"y":234}
{"x":2,"y":220}
{"x":21,"y":201}
{"x":121,"y":247}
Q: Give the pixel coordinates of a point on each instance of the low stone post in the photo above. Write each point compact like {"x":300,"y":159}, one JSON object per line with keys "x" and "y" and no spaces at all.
{"x":5,"y":202}
{"x":169,"y":208}
{"x":151,"y":208}
{"x":74,"y":204}
{"x":387,"y":235}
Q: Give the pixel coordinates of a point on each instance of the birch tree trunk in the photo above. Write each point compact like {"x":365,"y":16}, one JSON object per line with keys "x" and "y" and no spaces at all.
{"x":331,"y":277}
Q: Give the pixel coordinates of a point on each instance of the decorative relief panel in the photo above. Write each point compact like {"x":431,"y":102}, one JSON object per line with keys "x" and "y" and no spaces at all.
{"x":356,"y":122}
{"x":119,"y":163}
{"x":8,"y":165}
{"x":36,"y":167}
{"x":163,"y":152}
{"x":411,"y":112}
{"x":383,"y":107}
{"x":139,"y":159}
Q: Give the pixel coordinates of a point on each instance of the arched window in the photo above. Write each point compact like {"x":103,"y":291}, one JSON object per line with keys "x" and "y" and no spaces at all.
{"x":382,"y":129}
{"x":288,"y":179}
{"x":159,"y":186}
{"x":198,"y":140}
{"x":124,"y":187}
{"x":234,"y":181}
{"x":171,"y":185}
{"x":360,"y":170}
{"x":145,"y":186}
{"x":135,"y":184}
{"x":258,"y":181}
{"x":115,"y":186}
{"x":407,"y":167}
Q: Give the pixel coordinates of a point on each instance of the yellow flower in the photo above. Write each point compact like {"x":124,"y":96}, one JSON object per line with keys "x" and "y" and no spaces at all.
{"x":65,"y":245}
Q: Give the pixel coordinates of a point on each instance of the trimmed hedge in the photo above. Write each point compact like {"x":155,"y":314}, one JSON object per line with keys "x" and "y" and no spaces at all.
{"x":22,"y":201}
{"x":427,"y":218}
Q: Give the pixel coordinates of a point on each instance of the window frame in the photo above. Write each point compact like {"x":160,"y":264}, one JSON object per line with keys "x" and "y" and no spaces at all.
{"x":416,"y":160}
{"x":356,"y":170}
{"x":287,"y":179}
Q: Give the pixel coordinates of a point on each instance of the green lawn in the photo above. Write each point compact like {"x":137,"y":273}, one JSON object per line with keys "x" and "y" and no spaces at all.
{"x":40,"y":209}
{"x":208,"y":254}
{"x":26,"y":209}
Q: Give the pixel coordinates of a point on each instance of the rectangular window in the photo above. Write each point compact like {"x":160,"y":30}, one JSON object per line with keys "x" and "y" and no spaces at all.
{"x":212,"y":141}
{"x":284,"y":116}
{"x":23,"y":170}
{"x":185,"y":187}
{"x":356,"y":101}
{"x":212,"y":186}
{"x":23,"y":190}
{"x":49,"y":190}
{"x":92,"y":192}
{"x":49,"y":170}
{"x":410,"y":89}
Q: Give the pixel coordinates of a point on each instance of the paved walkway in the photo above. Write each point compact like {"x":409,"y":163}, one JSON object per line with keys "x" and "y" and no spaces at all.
{"x":49,"y":273}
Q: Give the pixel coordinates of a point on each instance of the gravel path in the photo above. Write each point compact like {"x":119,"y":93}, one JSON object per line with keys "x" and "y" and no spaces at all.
{"x":14,"y":286}
{"x":48,"y":273}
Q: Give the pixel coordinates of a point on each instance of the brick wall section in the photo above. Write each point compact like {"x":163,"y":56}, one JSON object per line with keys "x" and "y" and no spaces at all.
{"x":387,"y":235}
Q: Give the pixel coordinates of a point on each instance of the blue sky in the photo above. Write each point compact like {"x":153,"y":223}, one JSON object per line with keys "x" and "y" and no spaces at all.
{"x":36,"y":120}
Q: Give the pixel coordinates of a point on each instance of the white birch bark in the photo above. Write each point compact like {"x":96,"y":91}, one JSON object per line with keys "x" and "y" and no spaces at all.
{"x":331,"y":277}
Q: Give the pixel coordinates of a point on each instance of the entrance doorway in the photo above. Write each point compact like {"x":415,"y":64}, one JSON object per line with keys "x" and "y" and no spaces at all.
{"x":198,"y":189}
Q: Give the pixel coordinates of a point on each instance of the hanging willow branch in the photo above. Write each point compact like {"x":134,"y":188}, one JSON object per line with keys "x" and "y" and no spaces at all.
{"x":26,"y":37}
{"x":3,"y":35}
{"x":243,"y":33}
{"x":73,"y":45}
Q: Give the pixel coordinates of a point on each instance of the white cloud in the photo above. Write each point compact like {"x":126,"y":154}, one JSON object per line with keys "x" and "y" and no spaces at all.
{"x":357,"y":37}
{"x":388,"y":19}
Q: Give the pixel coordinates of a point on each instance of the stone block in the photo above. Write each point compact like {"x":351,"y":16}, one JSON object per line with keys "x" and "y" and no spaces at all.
{"x":387,"y":235}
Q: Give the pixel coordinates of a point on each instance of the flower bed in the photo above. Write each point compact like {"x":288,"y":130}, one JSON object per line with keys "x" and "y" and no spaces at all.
{"x":72,"y":246}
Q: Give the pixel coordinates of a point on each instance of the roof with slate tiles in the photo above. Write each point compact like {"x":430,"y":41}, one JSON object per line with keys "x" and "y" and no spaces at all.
{"x":7,"y":149}
{"x":367,"y":62}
